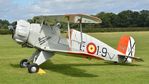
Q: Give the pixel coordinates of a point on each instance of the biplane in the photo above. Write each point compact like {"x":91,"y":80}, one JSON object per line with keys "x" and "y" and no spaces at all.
{"x":47,"y":40}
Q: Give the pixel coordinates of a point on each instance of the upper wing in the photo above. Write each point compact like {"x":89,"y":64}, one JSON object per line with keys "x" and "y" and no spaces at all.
{"x":73,"y":18}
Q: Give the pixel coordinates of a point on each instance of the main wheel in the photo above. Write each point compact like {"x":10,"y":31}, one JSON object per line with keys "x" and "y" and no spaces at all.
{"x":24,"y":63}
{"x":33,"y":68}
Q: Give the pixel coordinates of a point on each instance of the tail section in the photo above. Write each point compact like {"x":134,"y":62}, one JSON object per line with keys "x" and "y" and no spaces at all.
{"x":126,"y":46}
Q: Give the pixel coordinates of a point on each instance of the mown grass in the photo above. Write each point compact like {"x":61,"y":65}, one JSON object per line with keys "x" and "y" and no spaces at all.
{"x":63,"y":69}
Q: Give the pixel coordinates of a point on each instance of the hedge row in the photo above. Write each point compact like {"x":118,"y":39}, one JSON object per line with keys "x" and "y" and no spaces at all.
{"x":4,"y":31}
{"x":116,"y":29}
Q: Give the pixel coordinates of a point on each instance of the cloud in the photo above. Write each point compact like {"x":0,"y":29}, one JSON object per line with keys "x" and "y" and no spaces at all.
{"x":24,"y":9}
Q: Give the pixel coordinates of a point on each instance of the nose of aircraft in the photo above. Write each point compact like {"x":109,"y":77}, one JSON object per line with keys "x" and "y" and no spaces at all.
{"x":20,"y":31}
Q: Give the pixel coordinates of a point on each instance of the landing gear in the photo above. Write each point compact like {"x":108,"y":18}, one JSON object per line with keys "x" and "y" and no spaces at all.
{"x":24,"y":63}
{"x":115,"y":62}
{"x":36,"y":59}
{"x":33,"y":68}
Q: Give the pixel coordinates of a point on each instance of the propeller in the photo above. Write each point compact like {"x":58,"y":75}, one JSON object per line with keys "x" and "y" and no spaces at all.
{"x":12,"y":28}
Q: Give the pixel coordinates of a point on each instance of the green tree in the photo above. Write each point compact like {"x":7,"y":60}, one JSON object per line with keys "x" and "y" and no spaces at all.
{"x":4,"y":24}
{"x":144,"y":18}
{"x":126,"y":19}
{"x":108,"y":19}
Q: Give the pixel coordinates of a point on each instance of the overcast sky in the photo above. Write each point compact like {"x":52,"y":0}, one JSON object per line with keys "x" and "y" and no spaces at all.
{"x":24,"y":9}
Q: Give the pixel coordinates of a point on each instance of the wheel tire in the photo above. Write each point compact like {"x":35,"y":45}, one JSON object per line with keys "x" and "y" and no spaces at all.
{"x":33,"y":68}
{"x":24,"y":63}
{"x":115,"y":62}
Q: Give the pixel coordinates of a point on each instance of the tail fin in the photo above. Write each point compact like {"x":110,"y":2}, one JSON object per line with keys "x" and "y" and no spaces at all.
{"x":126,"y":46}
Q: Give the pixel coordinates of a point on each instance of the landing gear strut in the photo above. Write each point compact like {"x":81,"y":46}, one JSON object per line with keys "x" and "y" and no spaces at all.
{"x":37,"y":59}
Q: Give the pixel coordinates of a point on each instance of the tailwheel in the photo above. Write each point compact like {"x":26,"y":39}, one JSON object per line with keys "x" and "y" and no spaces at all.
{"x":33,"y":68}
{"x":24,"y":63}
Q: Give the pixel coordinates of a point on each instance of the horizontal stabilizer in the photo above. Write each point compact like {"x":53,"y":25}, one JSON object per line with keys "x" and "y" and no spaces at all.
{"x":138,"y":59}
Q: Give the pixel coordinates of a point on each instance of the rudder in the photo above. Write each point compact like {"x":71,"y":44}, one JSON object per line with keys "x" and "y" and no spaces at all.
{"x":126,"y":46}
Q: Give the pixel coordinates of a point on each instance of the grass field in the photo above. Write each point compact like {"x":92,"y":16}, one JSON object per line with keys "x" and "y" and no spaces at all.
{"x":63,"y":69}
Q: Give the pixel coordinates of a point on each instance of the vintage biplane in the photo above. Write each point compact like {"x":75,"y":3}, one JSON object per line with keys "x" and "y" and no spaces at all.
{"x":47,"y":40}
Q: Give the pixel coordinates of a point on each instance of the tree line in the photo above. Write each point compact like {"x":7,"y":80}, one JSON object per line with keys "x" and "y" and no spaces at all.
{"x":4,"y":24}
{"x":127,"y":18}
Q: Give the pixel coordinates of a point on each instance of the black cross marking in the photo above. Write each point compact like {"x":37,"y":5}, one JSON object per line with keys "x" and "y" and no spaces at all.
{"x":130,"y":53}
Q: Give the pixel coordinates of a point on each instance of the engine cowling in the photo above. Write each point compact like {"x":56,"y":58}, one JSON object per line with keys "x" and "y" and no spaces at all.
{"x":22,"y":31}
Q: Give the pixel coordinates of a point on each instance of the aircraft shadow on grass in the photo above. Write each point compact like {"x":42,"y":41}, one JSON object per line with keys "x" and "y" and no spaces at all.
{"x":71,"y":70}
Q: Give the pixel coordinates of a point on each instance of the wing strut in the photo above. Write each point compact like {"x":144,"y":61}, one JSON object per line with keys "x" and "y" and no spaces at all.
{"x":80,"y":23}
{"x":68,"y":25}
